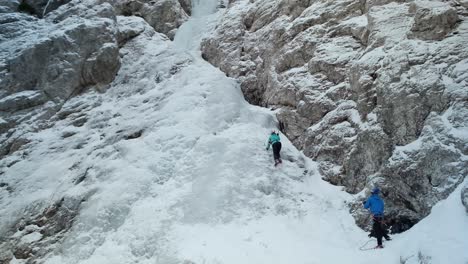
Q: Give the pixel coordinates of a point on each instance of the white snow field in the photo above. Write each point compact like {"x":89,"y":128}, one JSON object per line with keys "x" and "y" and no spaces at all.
{"x":198,"y":185}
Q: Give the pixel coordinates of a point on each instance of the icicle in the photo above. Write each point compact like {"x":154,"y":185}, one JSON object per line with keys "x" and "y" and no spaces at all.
{"x":45,"y":8}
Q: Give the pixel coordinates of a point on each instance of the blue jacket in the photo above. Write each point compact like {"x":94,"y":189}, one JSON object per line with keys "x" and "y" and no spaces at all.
{"x":273,"y":139}
{"x":375,"y":204}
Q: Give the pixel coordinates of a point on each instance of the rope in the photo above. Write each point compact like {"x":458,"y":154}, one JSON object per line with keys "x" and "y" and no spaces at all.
{"x":365,"y":246}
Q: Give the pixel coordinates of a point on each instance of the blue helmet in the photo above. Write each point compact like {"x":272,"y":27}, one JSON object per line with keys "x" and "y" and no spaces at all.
{"x":376,"y":190}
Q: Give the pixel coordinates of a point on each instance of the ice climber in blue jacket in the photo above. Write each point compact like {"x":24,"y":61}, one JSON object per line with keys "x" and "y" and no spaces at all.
{"x":376,"y":206}
{"x":274,"y":141}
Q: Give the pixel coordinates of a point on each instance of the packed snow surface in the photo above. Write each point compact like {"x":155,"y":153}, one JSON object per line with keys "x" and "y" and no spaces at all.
{"x":198,"y":186}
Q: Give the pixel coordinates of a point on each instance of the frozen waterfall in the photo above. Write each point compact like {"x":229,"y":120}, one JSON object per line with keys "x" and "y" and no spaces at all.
{"x":189,"y":35}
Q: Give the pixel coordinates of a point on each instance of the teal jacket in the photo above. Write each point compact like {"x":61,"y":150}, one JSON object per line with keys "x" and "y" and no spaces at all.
{"x":273,"y":139}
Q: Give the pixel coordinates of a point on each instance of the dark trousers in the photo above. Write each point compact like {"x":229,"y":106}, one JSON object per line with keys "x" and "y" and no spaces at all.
{"x":276,"y":150}
{"x":378,"y":230}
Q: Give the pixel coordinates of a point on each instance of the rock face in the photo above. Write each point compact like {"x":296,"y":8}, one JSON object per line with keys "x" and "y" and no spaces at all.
{"x":7,"y":6}
{"x":52,"y":50}
{"x":33,"y":234}
{"x":464,"y":197}
{"x":432,"y":20}
{"x":63,"y":61}
{"x":44,"y":64}
{"x":74,"y":48}
{"x":47,"y":61}
{"x":22,"y":100}
{"x":41,"y":7}
{"x":165,"y":16}
{"x":375,"y":91}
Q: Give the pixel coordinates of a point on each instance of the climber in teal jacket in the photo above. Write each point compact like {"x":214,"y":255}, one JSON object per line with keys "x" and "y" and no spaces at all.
{"x":274,"y":141}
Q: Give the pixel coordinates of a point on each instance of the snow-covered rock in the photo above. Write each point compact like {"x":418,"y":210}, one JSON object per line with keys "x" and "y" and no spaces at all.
{"x":357,"y":85}
{"x":21,"y":100}
{"x":463,"y":3}
{"x":130,"y":27}
{"x":432,"y":19}
{"x":42,"y":7}
{"x":7,"y":6}
{"x":45,"y":62}
{"x":62,"y":59}
{"x":165,"y":16}
{"x":36,"y":232}
{"x":464,"y":197}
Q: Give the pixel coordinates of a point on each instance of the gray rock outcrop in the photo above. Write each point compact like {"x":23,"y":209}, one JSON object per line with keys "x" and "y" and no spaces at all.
{"x":464,"y":197}
{"x":165,"y":16}
{"x":8,"y":6}
{"x":375,"y":91}
{"x":63,"y":58}
{"x":129,"y":27}
{"x":22,"y":100}
{"x":41,"y":7}
{"x":33,"y":234}
{"x":432,"y":19}
{"x":45,"y":62}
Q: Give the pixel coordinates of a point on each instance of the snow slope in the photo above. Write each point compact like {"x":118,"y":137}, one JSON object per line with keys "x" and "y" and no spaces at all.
{"x":197,"y":186}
